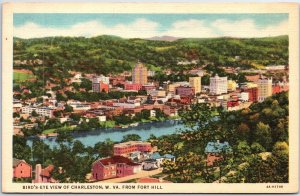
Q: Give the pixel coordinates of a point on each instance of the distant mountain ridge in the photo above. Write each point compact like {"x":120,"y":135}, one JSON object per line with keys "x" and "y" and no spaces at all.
{"x":164,"y":38}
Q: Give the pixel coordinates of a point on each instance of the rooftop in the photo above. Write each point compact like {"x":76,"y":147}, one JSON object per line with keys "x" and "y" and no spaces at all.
{"x":116,"y":159}
{"x":130,"y":143}
{"x":217,"y":147}
{"x":47,"y":171}
{"x":16,"y":162}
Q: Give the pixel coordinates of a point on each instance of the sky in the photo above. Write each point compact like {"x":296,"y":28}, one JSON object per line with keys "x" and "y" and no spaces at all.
{"x":149,"y":25}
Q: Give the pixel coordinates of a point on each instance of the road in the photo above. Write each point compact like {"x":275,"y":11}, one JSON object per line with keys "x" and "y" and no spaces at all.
{"x":141,"y":174}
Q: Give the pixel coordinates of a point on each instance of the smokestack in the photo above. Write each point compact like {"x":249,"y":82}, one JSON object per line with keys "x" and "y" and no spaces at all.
{"x":38,"y":171}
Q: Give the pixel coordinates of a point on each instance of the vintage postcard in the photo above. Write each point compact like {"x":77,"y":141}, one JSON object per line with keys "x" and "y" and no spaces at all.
{"x":150,"y":98}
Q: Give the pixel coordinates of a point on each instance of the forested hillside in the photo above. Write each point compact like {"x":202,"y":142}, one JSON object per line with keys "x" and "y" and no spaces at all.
{"x":257,"y":135}
{"x":110,"y":54}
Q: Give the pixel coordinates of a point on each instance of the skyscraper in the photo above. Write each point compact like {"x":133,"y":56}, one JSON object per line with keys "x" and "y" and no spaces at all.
{"x":195,"y":82}
{"x":218,"y":85}
{"x":139,"y":74}
{"x":264,"y":88}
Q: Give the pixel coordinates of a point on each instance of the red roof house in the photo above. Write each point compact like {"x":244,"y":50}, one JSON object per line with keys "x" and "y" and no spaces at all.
{"x":21,"y":169}
{"x":43,"y":175}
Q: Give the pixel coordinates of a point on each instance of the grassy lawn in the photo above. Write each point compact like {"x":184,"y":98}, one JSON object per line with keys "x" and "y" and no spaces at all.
{"x":65,"y":128}
{"x":49,"y":131}
{"x":20,"y":77}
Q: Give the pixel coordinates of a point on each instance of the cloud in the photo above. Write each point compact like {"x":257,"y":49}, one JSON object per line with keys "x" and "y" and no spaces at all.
{"x":190,"y":28}
{"x":248,"y":28}
{"x":139,"y":28}
{"x":144,"y":28}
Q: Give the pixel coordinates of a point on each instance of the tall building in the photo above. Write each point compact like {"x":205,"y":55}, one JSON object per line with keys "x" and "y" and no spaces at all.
{"x":100,"y":83}
{"x":264,"y":88}
{"x":218,"y":85}
{"x":195,"y":82}
{"x":139,"y":74}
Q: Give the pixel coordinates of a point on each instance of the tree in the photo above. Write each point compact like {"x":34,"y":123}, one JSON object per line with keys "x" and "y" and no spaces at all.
{"x":197,"y":117}
{"x":242,"y":150}
{"x":75,"y":117}
{"x":186,"y":168}
{"x":15,"y":115}
{"x":104,"y":149}
{"x":64,"y":136}
{"x":68,"y":108}
{"x":263,"y":135}
{"x":34,"y":113}
{"x":281,"y":157}
{"x":257,"y":148}
{"x":86,"y":84}
{"x":78,"y":147}
{"x":93,"y":123}
{"x":60,"y":97}
{"x":53,"y":123}
{"x":131,"y":137}
{"x":205,"y":80}
{"x":20,"y":149}
{"x":243,"y":131}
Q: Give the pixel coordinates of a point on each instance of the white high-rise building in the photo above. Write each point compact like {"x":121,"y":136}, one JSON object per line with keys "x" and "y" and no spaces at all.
{"x":264,"y":88}
{"x":218,"y":85}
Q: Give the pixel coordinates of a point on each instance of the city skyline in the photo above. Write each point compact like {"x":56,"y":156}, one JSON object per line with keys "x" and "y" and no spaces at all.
{"x":150,"y":25}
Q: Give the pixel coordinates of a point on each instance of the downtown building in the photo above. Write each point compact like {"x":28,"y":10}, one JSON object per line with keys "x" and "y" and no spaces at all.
{"x":41,"y":111}
{"x":100,"y":84}
{"x":218,"y":85}
{"x":264,"y":88}
{"x":139,"y":74}
{"x":195,"y":82}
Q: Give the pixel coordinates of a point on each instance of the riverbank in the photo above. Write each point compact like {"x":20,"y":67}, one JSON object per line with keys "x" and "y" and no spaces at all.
{"x":144,"y":130}
{"x":106,"y":125}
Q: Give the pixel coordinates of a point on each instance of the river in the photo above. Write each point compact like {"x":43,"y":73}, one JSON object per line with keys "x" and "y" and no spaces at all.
{"x":144,"y":130}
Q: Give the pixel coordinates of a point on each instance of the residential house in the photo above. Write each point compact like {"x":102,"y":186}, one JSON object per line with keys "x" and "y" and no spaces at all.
{"x":160,"y":158}
{"x":21,"y":169}
{"x":43,"y":175}
{"x":214,"y":151}
{"x":149,"y":164}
